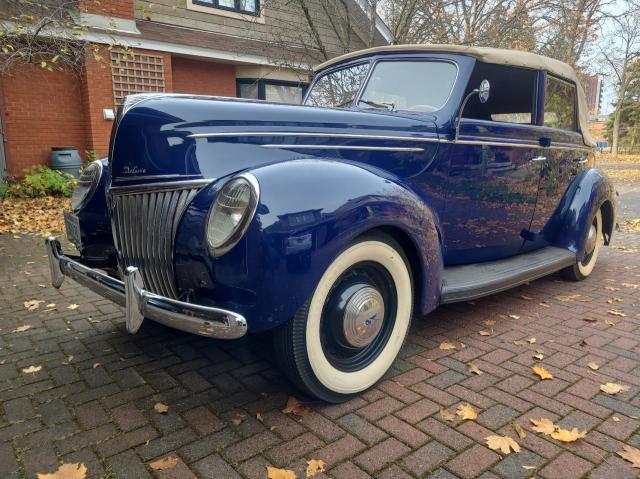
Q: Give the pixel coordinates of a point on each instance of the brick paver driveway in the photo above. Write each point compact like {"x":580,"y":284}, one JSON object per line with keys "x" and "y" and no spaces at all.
{"x":93,"y":400}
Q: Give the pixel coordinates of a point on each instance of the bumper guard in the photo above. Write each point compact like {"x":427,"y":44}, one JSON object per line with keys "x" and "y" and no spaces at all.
{"x":140,"y":303}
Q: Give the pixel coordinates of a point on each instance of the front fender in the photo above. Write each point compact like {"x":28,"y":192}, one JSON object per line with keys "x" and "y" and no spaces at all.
{"x":589,"y":191}
{"x":309,"y":211}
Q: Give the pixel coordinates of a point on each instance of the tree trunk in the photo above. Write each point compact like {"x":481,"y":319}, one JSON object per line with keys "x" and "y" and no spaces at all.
{"x":373,"y":4}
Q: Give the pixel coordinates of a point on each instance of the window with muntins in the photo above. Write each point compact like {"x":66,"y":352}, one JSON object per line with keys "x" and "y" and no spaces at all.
{"x":248,"y":7}
{"x":559,"y":104}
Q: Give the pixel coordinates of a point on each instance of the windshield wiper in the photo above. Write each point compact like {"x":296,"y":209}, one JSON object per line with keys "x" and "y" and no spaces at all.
{"x":388,"y":106}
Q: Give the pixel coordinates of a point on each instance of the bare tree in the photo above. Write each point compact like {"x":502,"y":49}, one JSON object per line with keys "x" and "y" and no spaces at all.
{"x":620,"y":54}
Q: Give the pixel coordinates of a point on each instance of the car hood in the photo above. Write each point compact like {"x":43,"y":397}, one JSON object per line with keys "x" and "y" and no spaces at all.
{"x":165,"y":137}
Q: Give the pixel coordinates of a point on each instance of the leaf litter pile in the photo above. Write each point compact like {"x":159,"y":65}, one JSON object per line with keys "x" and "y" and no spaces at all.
{"x":33,"y":215}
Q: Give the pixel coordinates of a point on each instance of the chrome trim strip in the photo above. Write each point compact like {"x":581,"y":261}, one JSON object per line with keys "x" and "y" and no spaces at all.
{"x":139,"y":303}
{"x":148,"y":177}
{"x":155,"y":187}
{"x":342,"y":147}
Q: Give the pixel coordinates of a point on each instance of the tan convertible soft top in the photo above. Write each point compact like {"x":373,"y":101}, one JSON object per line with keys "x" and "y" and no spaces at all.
{"x":490,"y":55}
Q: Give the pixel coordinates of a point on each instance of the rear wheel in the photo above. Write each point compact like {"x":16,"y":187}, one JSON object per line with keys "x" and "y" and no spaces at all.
{"x":347,"y":335}
{"x":582,"y":269}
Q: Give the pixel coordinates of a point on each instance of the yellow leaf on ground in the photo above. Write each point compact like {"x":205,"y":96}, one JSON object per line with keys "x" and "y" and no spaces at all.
{"x":542,"y":372}
{"x":446,"y":346}
{"x":275,"y":473}
{"x":502,"y":443}
{"x":611,"y":288}
{"x":485,"y":333}
{"x":514,"y":316}
{"x":161,"y":408}
{"x":239,"y":419}
{"x":66,"y":471}
{"x":538,"y":356}
{"x":259,"y":417}
{"x":519,"y":429}
{"x":447,"y":415}
{"x":569,"y":297}
{"x":33,"y":304}
{"x":630,"y":454}
{"x":615,"y":419}
{"x":519,"y":342}
{"x":73,"y":306}
{"x":473,"y":368}
{"x":489,"y":322}
{"x":617,"y":312}
{"x":613,"y":388}
{"x":564,"y":435}
{"x":294,"y":407}
{"x":593,"y":366}
{"x":32,"y":369}
{"x":314,"y":466}
{"x":608,"y":322}
{"x":21,"y":329}
{"x":532,"y":340}
{"x":543,"y":425}
{"x":164,"y":463}
{"x":465,"y":411}
{"x":525,"y":297}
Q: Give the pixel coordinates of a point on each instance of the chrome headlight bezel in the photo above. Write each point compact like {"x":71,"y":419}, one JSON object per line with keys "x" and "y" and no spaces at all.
{"x":238,"y":231}
{"x":86,"y":186}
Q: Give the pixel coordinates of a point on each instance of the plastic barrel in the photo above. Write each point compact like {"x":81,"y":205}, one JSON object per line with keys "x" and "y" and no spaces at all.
{"x":65,"y":159}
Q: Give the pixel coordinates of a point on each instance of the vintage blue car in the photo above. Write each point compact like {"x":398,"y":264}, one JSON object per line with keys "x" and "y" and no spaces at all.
{"x":412,"y":176}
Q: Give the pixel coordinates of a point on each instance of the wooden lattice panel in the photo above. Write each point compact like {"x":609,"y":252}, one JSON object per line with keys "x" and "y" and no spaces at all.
{"x":137,"y":73}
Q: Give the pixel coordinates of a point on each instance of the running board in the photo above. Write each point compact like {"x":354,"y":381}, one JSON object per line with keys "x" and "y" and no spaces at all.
{"x":471,"y":281}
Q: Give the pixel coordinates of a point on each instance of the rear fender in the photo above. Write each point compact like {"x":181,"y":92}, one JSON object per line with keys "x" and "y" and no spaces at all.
{"x":590,"y":191}
{"x":309,"y":211}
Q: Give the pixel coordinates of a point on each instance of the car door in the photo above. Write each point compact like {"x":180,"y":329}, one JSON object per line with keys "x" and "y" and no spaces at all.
{"x":493,"y":169}
{"x":565,"y":157}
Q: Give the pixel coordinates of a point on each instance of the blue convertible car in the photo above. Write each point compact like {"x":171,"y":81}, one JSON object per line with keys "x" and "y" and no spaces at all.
{"x":412,"y":176}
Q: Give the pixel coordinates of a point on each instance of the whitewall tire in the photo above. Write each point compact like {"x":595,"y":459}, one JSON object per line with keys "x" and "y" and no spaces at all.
{"x":347,"y":335}
{"x":582,"y":269}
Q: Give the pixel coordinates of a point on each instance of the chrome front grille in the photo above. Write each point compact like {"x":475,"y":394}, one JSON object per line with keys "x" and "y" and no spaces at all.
{"x":145,"y":220}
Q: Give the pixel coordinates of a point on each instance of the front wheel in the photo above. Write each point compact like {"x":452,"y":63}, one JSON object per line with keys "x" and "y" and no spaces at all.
{"x":347,"y":335}
{"x":582,"y":269}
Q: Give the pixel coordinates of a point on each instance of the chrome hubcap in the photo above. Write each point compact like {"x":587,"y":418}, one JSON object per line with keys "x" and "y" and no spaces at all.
{"x":591,"y":239}
{"x":363,"y":317}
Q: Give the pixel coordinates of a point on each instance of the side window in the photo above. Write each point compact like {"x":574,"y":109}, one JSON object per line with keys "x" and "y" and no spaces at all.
{"x":513,"y":94}
{"x":559,"y":104}
{"x":337,"y":88}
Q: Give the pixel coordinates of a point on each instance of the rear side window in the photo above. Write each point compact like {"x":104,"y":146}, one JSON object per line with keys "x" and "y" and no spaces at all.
{"x":559,"y":104}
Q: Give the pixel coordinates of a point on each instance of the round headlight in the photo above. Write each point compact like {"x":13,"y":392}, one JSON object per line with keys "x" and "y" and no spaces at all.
{"x":231,"y":213}
{"x":86,"y":186}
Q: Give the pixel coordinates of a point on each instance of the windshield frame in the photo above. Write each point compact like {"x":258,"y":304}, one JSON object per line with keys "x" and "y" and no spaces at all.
{"x":372,"y":64}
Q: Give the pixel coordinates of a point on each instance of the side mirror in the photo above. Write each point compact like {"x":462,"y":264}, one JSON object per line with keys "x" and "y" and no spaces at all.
{"x":483,"y":96}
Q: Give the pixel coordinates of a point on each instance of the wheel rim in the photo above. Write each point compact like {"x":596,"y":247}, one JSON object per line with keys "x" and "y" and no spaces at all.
{"x":358,"y":317}
{"x":591,"y":243}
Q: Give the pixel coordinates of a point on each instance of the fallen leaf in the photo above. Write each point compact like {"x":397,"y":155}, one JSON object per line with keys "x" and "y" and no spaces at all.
{"x":73,"y":306}
{"x":466,"y":412}
{"x":50,"y":305}
{"x":526,"y":298}
{"x":259,"y":417}
{"x":21,"y":329}
{"x":520,"y":430}
{"x":275,"y":473}
{"x":529,"y":468}
{"x":520,"y":342}
{"x":611,"y":288}
{"x":566,"y":298}
{"x":489,"y":322}
{"x":617,"y":312}
{"x":447,"y":415}
{"x":239,"y":419}
{"x":590,"y":320}
{"x":32,"y":369}
{"x":514,"y":316}
{"x":66,"y":471}
{"x":630,"y":454}
{"x":32,"y":304}
{"x":538,"y":356}
{"x":161,"y":408}
{"x":315,"y":466}
{"x":543,"y":425}
{"x":96,"y":365}
{"x":615,"y":419}
{"x":68,"y":361}
{"x":502,"y":443}
{"x":485,"y":333}
{"x":545,"y":304}
{"x":542,"y":372}
{"x":446,"y":346}
{"x":532,"y":340}
{"x":473,"y":368}
{"x":630,"y":285}
{"x":294,"y":407}
{"x":564,"y":435}
{"x":608,"y":322}
{"x":164,"y":463}
{"x":593,"y":366}
{"x":613,"y":388}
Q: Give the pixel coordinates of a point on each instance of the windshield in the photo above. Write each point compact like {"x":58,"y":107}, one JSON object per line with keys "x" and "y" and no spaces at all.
{"x":337,"y":88}
{"x":421,"y":86}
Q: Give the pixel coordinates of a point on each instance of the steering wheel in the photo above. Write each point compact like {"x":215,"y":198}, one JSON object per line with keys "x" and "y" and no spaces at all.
{"x":422,"y":108}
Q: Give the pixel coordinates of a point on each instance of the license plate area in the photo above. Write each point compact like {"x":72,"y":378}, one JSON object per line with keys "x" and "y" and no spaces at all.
{"x":73,"y":228}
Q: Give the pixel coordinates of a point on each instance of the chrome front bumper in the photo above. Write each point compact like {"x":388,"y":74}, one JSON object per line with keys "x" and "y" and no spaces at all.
{"x":140,"y":303}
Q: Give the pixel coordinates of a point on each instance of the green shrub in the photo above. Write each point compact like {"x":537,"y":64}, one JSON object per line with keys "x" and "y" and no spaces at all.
{"x":40,"y":180}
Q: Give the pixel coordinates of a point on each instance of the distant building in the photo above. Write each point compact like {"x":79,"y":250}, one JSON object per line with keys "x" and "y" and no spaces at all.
{"x":592,"y":85}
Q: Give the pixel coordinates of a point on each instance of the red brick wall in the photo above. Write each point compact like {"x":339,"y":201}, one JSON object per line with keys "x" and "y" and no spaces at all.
{"x":203,"y":77}
{"x":110,"y":8}
{"x":41,"y":109}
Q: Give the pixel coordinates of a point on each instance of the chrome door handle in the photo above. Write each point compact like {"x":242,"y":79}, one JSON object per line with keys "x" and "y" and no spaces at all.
{"x":539,"y":158}
{"x":581,"y":161}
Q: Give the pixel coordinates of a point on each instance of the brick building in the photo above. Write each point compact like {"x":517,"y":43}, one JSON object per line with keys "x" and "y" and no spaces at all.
{"x":245,"y":48}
